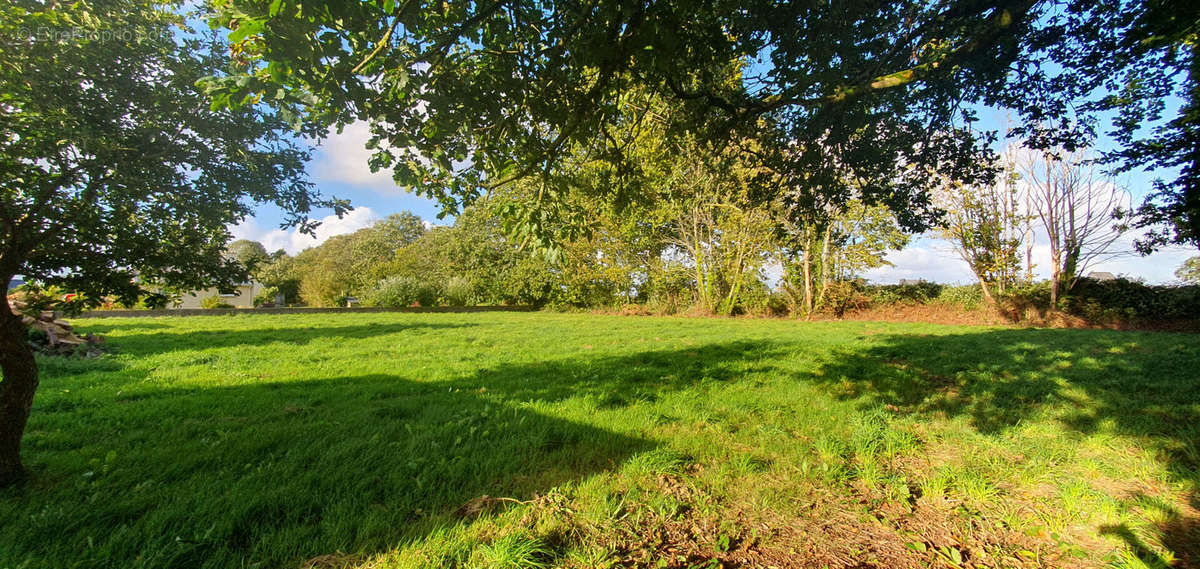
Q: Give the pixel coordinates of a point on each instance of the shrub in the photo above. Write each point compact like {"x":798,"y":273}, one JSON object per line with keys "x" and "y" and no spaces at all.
{"x":919,"y":293}
{"x":1024,"y":301}
{"x":670,"y":291}
{"x":460,"y":292}
{"x":428,"y":294}
{"x":530,"y":283}
{"x":754,"y":299}
{"x":266,"y":296}
{"x":398,"y":292}
{"x":39,"y":299}
{"x":214,"y":302}
{"x":393,"y":292}
{"x":1126,"y":299}
{"x":778,"y":304}
{"x":843,"y":296}
{"x":37,"y":338}
{"x":968,"y":296}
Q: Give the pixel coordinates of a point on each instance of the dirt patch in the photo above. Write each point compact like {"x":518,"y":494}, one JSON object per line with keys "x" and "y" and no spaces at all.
{"x":938,"y":313}
{"x":932,"y":313}
{"x":852,"y":530}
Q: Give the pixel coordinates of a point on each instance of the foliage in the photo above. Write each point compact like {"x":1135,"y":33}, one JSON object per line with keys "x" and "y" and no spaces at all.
{"x":395,"y":292}
{"x":712,"y":219}
{"x":351,"y":265}
{"x":861,"y":236}
{"x":460,"y":292}
{"x":467,"y":98}
{"x":251,"y":254}
{"x":968,"y":296}
{"x":830,"y":246}
{"x":1123,"y":299}
{"x":1189,"y":271}
{"x":670,"y":289}
{"x":470,"y":97}
{"x":266,"y":296}
{"x":387,"y":424}
{"x":476,"y":250}
{"x":129,"y":173}
{"x":214,"y":302}
{"x":282,"y":275}
{"x":1150,"y":66}
{"x":38,"y":299}
{"x":844,"y":296}
{"x":1118,"y":301}
{"x":399,"y":292}
{"x":919,"y":293}
{"x":983,"y":224}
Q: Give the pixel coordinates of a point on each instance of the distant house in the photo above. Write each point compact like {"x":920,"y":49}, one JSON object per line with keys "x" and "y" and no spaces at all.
{"x":1101,"y":276}
{"x":241,"y":296}
{"x":911,"y":282}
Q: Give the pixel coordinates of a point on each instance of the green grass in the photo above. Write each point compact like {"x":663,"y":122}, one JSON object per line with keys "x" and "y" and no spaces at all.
{"x":368,"y":440}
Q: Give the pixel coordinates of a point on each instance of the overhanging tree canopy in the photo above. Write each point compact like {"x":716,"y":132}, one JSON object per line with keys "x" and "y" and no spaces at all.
{"x":115,"y":174}
{"x":466,"y":96}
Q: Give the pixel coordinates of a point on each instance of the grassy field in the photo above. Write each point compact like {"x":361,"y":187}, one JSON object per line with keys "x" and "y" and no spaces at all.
{"x":552,"y":440}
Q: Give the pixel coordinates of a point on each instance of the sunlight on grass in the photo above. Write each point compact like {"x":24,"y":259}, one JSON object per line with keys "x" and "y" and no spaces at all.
{"x":554,"y":440}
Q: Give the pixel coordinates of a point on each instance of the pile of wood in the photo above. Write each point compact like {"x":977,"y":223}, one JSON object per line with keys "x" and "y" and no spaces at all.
{"x":60,"y":336}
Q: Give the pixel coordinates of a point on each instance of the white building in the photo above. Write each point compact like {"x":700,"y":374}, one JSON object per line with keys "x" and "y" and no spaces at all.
{"x":241,"y":296}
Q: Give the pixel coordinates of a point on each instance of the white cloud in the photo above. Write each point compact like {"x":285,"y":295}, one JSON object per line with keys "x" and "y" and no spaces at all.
{"x":342,"y":158}
{"x":934,"y":260}
{"x":293,"y":241}
{"x":926,"y":259}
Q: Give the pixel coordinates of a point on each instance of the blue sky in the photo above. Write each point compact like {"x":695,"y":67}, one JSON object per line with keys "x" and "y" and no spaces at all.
{"x":339,"y":168}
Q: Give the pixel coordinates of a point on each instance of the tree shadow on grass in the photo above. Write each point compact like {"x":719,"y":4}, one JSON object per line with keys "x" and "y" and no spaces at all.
{"x":1143,"y":386}
{"x":275,"y":473}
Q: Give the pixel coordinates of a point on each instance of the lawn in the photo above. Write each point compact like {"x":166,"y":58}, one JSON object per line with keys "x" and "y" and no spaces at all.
{"x":565,"y":440}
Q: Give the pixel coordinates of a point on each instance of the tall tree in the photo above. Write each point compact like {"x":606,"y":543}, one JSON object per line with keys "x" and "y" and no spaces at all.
{"x":251,"y":254}
{"x":351,"y":264}
{"x":280,"y":274}
{"x":985,"y":229}
{"x":835,"y":245}
{"x":114,"y":173}
{"x":1078,"y":209}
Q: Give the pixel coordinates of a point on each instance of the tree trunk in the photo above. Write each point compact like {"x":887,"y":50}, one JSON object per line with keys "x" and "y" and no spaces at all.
{"x":1055,"y":278}
{"x":1069,"y":274}
{"x":16,"y":393}
{"x":808,"y":282}
{"x":988,"y":299}
{"x":824,"y":266}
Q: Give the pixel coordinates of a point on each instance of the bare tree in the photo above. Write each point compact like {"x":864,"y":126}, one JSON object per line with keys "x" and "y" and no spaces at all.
{"x":1076,"y":205}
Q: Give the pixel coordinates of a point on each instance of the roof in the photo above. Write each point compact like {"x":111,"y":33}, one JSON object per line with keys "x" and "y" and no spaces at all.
{"x":1102,"y":276}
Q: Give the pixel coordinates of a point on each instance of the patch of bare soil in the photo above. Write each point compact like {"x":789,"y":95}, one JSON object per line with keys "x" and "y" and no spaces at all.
{"x":933,"y":313}
{"x":943,"y":313}
{"x":938,"y":313}
{"x":868,"y":534}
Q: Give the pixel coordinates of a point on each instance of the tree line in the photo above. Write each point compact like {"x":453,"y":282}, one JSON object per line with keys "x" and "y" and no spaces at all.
{"x":712,"y":241}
